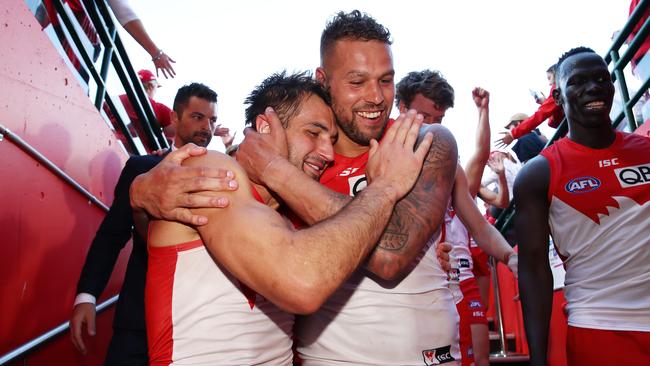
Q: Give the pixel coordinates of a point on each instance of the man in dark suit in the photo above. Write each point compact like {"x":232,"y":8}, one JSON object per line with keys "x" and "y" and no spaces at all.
{"x":195,"y":119}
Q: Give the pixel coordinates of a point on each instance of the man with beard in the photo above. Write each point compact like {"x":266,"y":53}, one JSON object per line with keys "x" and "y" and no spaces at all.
{"x":195,"y":117}
{"x":399,"y":310}
{"x":591,"y":192}
{"x":202,"y":312}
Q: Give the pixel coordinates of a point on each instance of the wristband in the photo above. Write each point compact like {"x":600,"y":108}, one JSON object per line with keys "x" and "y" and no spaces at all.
{"x":157,"y":56}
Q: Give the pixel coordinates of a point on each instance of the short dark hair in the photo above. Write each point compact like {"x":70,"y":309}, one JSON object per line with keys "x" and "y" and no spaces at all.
{"x":284,"y":93}
{"x":569,"y":53}
{"x":354,"y":25}
{"x":431,"y":84}
{"x":192,"y":90}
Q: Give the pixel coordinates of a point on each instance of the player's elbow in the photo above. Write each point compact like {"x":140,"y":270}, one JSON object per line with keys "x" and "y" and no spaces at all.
{"x":387,"y":267}
{"x":305,"y":297}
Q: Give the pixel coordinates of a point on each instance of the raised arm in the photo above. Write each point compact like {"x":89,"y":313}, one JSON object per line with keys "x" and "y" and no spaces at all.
{"x":299,"y":270}
{"x":487,"y":236}
{"x":535,"y":277}
{"x":476,"y":162}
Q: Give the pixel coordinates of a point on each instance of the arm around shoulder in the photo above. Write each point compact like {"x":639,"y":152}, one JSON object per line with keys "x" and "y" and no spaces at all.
{"x":295,"y":269}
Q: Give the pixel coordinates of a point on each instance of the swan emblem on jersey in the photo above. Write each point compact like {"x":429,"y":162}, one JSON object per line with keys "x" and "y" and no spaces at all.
{"x":437,"y":356}
{"x":582,"y":185}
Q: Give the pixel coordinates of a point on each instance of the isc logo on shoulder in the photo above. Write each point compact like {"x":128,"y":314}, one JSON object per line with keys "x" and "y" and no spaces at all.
{"x":582,"y":185}
{"x":631,"y":176}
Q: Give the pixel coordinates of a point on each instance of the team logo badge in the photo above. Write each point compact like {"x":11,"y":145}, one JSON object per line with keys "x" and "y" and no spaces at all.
{"x":474,"y":304}
{"x":632,"y":176}
{"x":437,"y":356}
{"x":582,"y":185}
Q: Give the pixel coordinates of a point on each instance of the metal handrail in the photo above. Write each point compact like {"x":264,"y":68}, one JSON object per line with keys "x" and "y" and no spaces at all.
{"x":24,"y":145}
{"x":29,"y":346}
{"x":91,"y":68}
{"x":139,"y":101}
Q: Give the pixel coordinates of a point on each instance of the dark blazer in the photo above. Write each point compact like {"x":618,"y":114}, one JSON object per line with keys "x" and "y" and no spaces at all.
{"x":114,"y":232}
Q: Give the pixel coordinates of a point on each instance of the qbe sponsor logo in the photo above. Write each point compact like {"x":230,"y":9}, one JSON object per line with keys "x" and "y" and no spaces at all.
{"x":357,"y":184}
{"x":582,"y":185}
{"x":463,"y":263}
{"x":632,"y":176}
{"x":437,"y":356}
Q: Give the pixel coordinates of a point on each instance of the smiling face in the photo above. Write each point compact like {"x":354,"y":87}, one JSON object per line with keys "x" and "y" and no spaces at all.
{"x":585,"y":90}
{"x":311,"y":134}
{"x":360,"y":78}
{"x":197,"y":122}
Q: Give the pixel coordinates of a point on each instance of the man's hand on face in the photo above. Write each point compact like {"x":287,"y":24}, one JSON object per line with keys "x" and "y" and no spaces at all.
{"x":481,"y":97}
{"x":259,"y":151}
{"x":168,"y":190}
{"x":393,"y":162}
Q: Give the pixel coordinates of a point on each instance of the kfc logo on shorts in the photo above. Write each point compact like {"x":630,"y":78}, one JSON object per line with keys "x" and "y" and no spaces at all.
{"x":357,"y":184}
{"x":582,"y":185}
{"x":474,"y":304}
{"x":631,"y":176}
{"x":437,"y":356}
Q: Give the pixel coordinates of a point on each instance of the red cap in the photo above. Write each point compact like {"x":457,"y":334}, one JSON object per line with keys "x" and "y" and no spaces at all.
{"x":146,"y":76}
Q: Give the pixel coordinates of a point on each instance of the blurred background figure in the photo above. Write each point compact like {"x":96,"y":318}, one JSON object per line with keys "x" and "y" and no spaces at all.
{"x":162,"y":112}
{"x":547,"y":110}
{"x":529,"y":144}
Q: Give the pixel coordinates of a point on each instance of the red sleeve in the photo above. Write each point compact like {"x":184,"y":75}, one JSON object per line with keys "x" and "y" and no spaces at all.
{"x":546,"y":110}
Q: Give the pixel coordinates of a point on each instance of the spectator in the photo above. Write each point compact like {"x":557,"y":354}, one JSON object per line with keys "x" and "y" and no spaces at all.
{"x":133,"y":25}
{"x":162,"y":112}
{"x":528,"y":145}
{"x":547,"y":110}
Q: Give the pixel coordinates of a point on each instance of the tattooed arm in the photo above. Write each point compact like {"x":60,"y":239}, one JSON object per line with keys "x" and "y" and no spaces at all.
{"x":414,"y":221}
{"x":418,"y":215}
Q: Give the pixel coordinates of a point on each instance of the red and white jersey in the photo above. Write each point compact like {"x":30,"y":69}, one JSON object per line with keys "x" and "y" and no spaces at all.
{"x":368,"y":321}
{"x":599,"y":217}
{"x":455,"y":233}
{"x":199,"y":314}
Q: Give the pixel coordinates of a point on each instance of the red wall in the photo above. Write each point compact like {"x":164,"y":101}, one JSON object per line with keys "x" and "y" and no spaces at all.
{"x":46,"y":225}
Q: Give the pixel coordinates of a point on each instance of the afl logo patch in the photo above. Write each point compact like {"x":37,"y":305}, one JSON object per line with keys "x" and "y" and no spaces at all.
{"x":582,"y":185}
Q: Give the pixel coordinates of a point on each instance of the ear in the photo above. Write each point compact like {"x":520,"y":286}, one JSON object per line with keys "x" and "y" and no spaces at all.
{"x":402,"y":107}
{"x":557,"y":96}
{"x":321,"y":77}
{"x":261,"y":124}
{"x":174,"y":118}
